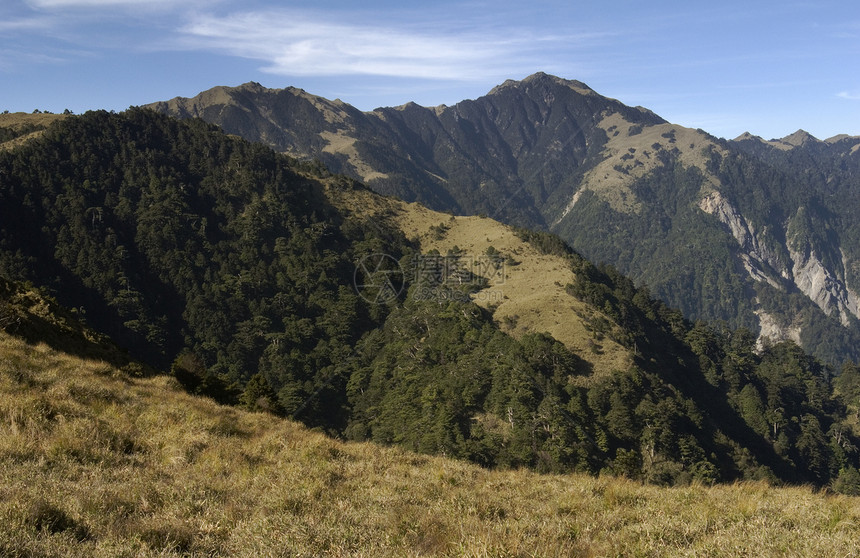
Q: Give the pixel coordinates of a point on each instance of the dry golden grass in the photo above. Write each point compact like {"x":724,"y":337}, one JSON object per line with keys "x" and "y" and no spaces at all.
{"x":17,"y":120}
{"x":530,"y":296}
{"x":340,"y":142}
{"x":93,"y":463}
{"x":631,"y":153}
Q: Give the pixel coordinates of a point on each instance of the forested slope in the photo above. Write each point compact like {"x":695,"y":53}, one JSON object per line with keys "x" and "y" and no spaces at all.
{"x":236,"y":269}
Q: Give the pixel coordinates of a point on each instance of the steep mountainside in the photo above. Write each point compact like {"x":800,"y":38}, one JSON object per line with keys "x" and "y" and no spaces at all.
{"x":759,"y":234}
{"x":272,"y":284}
{"x":488,"y":156}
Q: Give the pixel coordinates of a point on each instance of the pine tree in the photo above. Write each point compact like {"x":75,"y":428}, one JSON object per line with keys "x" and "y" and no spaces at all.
{"x":259,"y":396}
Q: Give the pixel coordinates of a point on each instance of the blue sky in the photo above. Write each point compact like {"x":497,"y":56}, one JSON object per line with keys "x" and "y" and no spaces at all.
{"x":765,"y":67}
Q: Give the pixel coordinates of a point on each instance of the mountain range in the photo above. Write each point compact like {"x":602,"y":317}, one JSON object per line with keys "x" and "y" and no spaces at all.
{"x":757,"y":234}
{"x":175,"y":299}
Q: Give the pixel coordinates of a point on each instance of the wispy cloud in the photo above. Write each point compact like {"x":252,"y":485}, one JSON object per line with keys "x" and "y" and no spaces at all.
{"x":303,"y":43}
{"x":850,"y":95}
{"x":106,"y":9}
{"x":847,"y":30}
{"x":12,"y":58}
{"x":98,"y":3}
{"x":37,"y":23}
{"x":308,"y":42}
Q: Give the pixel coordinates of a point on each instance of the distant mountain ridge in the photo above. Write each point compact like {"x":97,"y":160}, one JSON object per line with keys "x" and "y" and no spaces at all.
{"x":797,"y":139}
{"x":431,"y":155}
{"x":757,"y":233}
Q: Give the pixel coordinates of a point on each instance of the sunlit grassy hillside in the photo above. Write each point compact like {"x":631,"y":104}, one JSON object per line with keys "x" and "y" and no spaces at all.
{"x":16,"y":128}
{"x":96,"y":463}
{"x":526,"y":295}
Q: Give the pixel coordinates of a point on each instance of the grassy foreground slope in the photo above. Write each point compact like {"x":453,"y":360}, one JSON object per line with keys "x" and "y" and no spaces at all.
{"x":94,"y":462}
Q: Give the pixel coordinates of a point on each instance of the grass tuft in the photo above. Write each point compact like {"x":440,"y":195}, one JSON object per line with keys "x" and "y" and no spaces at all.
{"x":43,"y":516}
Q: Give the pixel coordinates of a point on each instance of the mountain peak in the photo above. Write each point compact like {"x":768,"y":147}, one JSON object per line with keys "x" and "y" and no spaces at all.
{"x":549,"y":78}
{"x":799,"y":138}
{"x":544,"y":78}
{"x":746,"y":136}
{"x":410,"y":106}
{"x":251,"y":86}
{"x":839,"y":137}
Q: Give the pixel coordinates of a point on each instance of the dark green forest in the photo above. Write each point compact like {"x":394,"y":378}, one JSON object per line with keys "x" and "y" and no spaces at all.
{"x":225,"y":264}
{"x":177,"y":240}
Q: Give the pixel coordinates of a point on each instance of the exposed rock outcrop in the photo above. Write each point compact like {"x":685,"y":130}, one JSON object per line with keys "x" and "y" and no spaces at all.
{"x":823,"y":286}
{"x":760,"y":262}
{"x":772,"y":331}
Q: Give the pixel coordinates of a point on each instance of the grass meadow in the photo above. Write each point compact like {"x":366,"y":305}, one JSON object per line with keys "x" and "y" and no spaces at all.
{"x":96,"y":463}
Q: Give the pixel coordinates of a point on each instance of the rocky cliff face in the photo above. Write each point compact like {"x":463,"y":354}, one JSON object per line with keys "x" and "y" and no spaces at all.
{"x":762,"y":263}
{"x":825,"y":287}
{"x":807,"y":273}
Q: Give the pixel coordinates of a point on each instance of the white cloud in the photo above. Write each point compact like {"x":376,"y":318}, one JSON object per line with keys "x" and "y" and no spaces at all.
{"x":850,"y":95}
{"x":293,"y":43}
{"x":106,"y":8}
